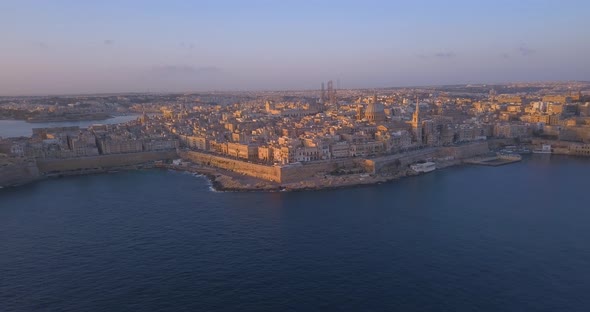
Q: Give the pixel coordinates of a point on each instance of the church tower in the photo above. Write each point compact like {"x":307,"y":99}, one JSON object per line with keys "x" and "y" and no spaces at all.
{"x":416,"y":123}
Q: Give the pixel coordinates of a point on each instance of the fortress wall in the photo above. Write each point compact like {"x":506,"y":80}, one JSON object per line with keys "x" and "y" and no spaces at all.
{"x":270,"y":173}
{"x":299,"y":172}
{"x":18,"y":173}
{"x":465,"y":151}
{"x":282,"y":174}
{"x":302,"y":171}
{"x":102,"y":161}
{"x":399,"y":161}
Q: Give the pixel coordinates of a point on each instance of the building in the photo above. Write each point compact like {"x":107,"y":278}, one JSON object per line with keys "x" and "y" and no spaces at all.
{"x":375,"y":111}
{"x":416,"y":123}
{"x":244,"y":151}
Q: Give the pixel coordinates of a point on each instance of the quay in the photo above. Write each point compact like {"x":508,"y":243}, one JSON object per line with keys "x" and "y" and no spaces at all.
{"x":494,"y":161}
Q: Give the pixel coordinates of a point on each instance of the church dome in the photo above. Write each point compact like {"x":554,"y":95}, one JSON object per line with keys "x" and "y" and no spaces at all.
{"x":375,"y":108}
{"x":375,"y":112}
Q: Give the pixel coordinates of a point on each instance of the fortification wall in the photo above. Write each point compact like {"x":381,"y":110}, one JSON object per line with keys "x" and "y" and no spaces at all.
{"x":299,"y":172}
{"x":281,"y":174}
{"x":398,"y":161}
{"x":465,"y":151}
{"x":270,"y":173}
{"x":102,"y":161}
{"x":18,"y":173}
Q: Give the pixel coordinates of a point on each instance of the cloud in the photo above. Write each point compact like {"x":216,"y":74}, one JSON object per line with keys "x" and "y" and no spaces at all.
{"x":41,"y":45}
{"x":187,"y":45}
{"x":524,"y":50}
{"x":439,"y":55}
{"x":182,"y":77}
{"x":445,"y":55}
{"x":186,"y":70}
{"x":109,"y":42}
{"x":505,"y":55}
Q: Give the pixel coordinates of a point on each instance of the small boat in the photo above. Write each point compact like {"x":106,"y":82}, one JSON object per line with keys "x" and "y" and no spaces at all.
{"x":545,"y":149}
{"x":424,"y":167}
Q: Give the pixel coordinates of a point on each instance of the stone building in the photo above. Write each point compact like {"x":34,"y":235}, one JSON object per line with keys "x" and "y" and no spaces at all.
{"x":375,"y":111}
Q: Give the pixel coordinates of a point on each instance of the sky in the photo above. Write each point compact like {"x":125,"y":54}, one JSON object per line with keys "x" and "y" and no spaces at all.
{"x":75,"y":47}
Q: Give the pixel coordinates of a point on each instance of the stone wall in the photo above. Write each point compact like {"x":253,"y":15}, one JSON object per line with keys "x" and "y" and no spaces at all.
{"x":101,"y":162}
{"x":465,"y":151}
{"x":564,"y":147}
{"x":18,"y":172}
{"x":281,"y":174}
{"x":301,"y":171}
{"x":399,"y":161}
{"x":270,"y":173}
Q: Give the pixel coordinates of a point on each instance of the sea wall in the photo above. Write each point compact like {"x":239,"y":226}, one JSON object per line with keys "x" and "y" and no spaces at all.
{"x":302,"y":171}
{"x":565,"y":147}
{"x":398,"y":161}
{"x":281,"y":174}
{"x":48,"y":166}
{"x":465,"y":151}
{"x":18,"y":172}
{"x":270,"y":173}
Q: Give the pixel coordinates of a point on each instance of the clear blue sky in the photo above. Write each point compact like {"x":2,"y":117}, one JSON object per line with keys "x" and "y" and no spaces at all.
{"x":116,"y":46}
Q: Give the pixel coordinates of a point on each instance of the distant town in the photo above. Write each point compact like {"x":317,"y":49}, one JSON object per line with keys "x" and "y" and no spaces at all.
{"x":308,"y":139}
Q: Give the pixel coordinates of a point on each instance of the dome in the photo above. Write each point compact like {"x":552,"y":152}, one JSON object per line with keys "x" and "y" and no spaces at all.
{"x":375,"y":108}
{"x":375,"y":112}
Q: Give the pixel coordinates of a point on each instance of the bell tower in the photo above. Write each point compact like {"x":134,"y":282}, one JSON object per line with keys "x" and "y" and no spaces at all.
{"x":416,"y":123}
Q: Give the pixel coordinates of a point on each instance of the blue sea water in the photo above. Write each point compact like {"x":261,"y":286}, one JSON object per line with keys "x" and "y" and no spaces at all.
{"x":510,"y":238}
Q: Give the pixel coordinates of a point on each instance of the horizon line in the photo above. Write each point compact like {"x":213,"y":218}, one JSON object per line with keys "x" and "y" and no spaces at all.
{"x":102,"y":94}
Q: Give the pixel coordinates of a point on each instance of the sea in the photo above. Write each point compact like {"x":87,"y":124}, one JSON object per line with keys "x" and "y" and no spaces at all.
{"x":465,"y":238}
{"x":18,"y":128}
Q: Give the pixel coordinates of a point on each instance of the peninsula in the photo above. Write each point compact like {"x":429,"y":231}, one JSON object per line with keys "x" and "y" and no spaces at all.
{"x":299,"y":140}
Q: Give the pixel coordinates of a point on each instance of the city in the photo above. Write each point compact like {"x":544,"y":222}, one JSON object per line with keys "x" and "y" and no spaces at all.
{"x":297,"y":139}
{"x":260,"y":155}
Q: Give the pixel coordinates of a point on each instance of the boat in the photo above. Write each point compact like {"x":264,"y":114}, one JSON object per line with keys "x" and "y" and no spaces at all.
{"x":523,"y":150}
{"x":545,"y":149}
{"x":424,"y":167}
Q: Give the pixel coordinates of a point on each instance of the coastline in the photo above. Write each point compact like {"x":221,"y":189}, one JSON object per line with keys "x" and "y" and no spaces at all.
{"x":228,"y":181}
{"x":226,"y":174}
{"x":66,"y":119}
{"x":81,"y":118}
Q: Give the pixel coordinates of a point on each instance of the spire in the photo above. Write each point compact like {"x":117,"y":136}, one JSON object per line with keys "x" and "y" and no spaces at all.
{"x":416,"y":125}
{"x":416,"y":115}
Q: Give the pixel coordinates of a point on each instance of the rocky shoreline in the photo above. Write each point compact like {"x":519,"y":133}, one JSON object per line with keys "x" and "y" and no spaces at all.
{"x":228,"y":181}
